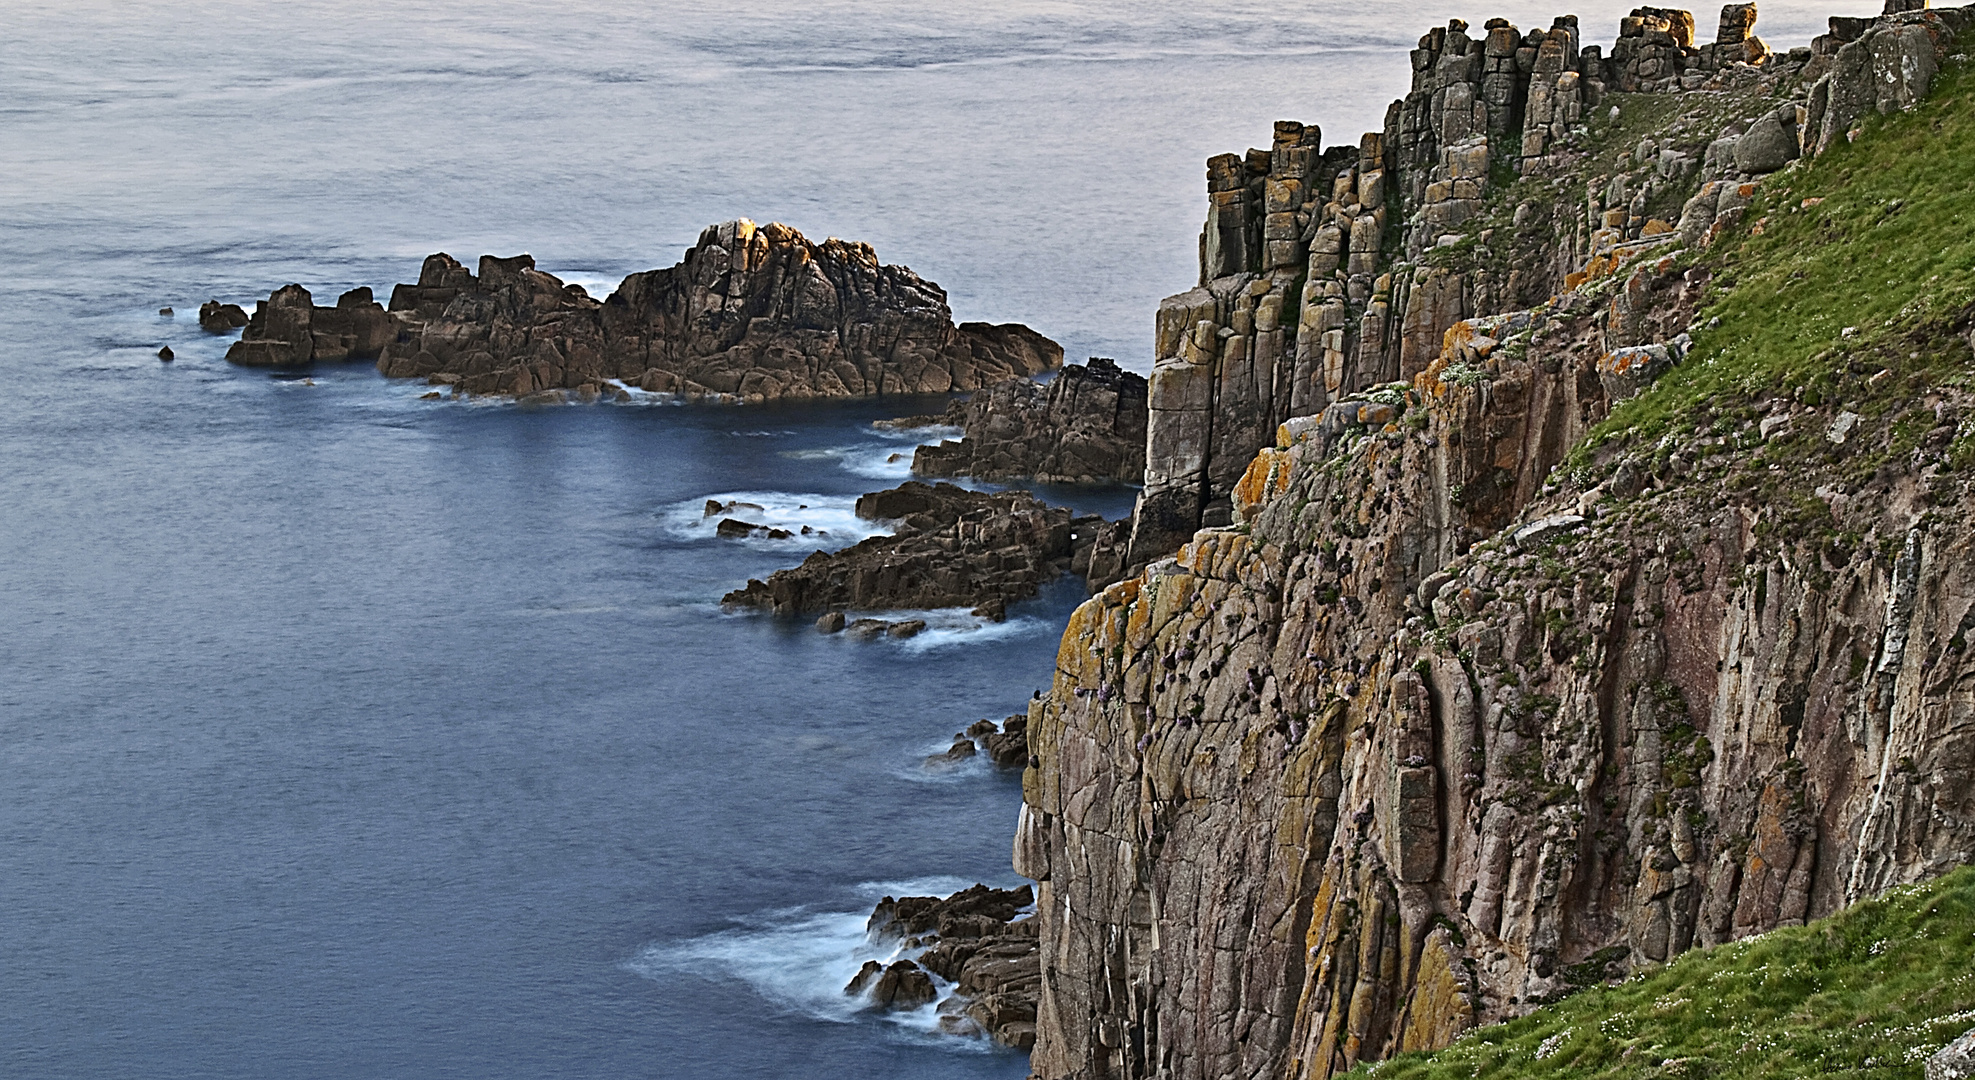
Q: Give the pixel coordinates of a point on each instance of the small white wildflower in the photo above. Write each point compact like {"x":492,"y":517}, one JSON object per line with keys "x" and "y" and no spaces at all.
{"x":1552,"y":1044}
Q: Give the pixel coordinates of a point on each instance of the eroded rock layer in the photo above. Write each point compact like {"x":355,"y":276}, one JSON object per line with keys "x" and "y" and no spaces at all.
{"x":750,"y":315}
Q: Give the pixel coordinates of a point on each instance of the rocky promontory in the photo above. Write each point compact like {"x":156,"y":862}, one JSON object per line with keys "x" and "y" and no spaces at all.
{"x":979,"y":942}
{"x":952,"y":548}
{"x":750,"y":315}
{"x":1087,"y":425}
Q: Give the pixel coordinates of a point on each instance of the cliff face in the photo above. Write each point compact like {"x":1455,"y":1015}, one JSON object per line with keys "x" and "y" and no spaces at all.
{"x":1326,"y":272}
{"x":751,"y":314}
{"x":1494,"y":681}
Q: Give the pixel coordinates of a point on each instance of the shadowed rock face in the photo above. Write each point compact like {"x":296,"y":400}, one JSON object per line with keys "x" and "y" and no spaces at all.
{"x":952,"y":548}
{"x":1086,"y":425}
{"x":750,"y":315}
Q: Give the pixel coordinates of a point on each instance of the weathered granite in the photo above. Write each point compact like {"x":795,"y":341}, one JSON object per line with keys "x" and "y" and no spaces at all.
{"x":1084,"y":426}
{"x":1420,"y":731}
{"x":289,"y":330}
{"x":750,"y":315}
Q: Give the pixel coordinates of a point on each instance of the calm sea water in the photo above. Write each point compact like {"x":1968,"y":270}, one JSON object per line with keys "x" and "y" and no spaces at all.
{"x":348,"y":735}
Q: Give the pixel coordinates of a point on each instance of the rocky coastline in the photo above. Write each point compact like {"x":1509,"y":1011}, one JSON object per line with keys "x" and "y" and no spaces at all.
{"x":750,"y":315}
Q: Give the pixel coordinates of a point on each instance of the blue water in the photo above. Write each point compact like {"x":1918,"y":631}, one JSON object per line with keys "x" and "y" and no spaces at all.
{"x":344,"y":734}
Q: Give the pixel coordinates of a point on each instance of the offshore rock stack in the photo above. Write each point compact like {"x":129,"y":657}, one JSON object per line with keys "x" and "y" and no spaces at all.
{"x":750,"y":315}
{"x":1423,"y":725}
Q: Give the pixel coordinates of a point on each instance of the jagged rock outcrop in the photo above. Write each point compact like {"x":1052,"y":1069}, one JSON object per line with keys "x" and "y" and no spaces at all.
{"x":1431,"y":724}
{"x":1325,"y":272}
{"x":750,"y":315}
{"x":1084,"y":426}
{"x":952,"y":548}
{"x":289,"y":330}
{"x":977,"y":941}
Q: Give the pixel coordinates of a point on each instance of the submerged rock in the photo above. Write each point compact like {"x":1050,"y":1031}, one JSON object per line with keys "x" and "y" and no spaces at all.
{"x":751,"y":314}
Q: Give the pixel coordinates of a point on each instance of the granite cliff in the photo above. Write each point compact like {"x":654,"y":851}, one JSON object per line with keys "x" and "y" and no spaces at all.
{"x":1573,"y":488}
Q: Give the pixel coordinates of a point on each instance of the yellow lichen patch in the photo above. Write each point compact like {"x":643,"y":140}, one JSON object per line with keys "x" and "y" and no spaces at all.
{"x":1267,"y":477}
{"x":1656,"y":227}
{"x":1440,"y":1009}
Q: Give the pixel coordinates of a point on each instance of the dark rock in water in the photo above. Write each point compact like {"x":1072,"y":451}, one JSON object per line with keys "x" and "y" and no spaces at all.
{"x":995,"y":610}
{"x":903,"y":986}
{"x":218,"y":318}
{"x":165,"y":354}
{"x":1084,"y":426}
{"x":1009,"y":747}
{"x":865,"y":979}
{"x":953,"y":548}
{"x":289,"y":330}
{"x":867,"y":629}
{"x":167,"y":312}
{"x":750,"y":315}
{"x":973,"y":940}
{"x":831,"y":622}
{"x":735,"y":528}
{"x":909,"y":628}
{"x":961,"y":750}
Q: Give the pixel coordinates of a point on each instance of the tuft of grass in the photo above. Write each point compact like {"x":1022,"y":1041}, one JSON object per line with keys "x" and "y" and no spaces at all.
{"x":1869,"y":992}
{"x":1889,"y":253}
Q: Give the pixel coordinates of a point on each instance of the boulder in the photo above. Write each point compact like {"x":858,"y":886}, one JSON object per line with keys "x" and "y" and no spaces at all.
{"x":751,"y":314}
{"x":165,"y":354}
{"x":903,"y":986}
{"x":1769,"y":144}
{"x":1955,"y":1061}
{"x":978,"y":940}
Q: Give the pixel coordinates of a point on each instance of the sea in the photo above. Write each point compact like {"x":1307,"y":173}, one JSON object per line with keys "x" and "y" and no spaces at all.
{"x":346,"y":734}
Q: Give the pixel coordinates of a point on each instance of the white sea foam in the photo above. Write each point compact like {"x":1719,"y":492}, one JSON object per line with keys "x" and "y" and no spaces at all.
{"x":800,"y":960}
{"x":831,"y":519}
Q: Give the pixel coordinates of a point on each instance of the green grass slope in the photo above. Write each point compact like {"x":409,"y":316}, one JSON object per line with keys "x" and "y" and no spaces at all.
{"x":1863,"y":264}
{"x":1869,"y":992}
